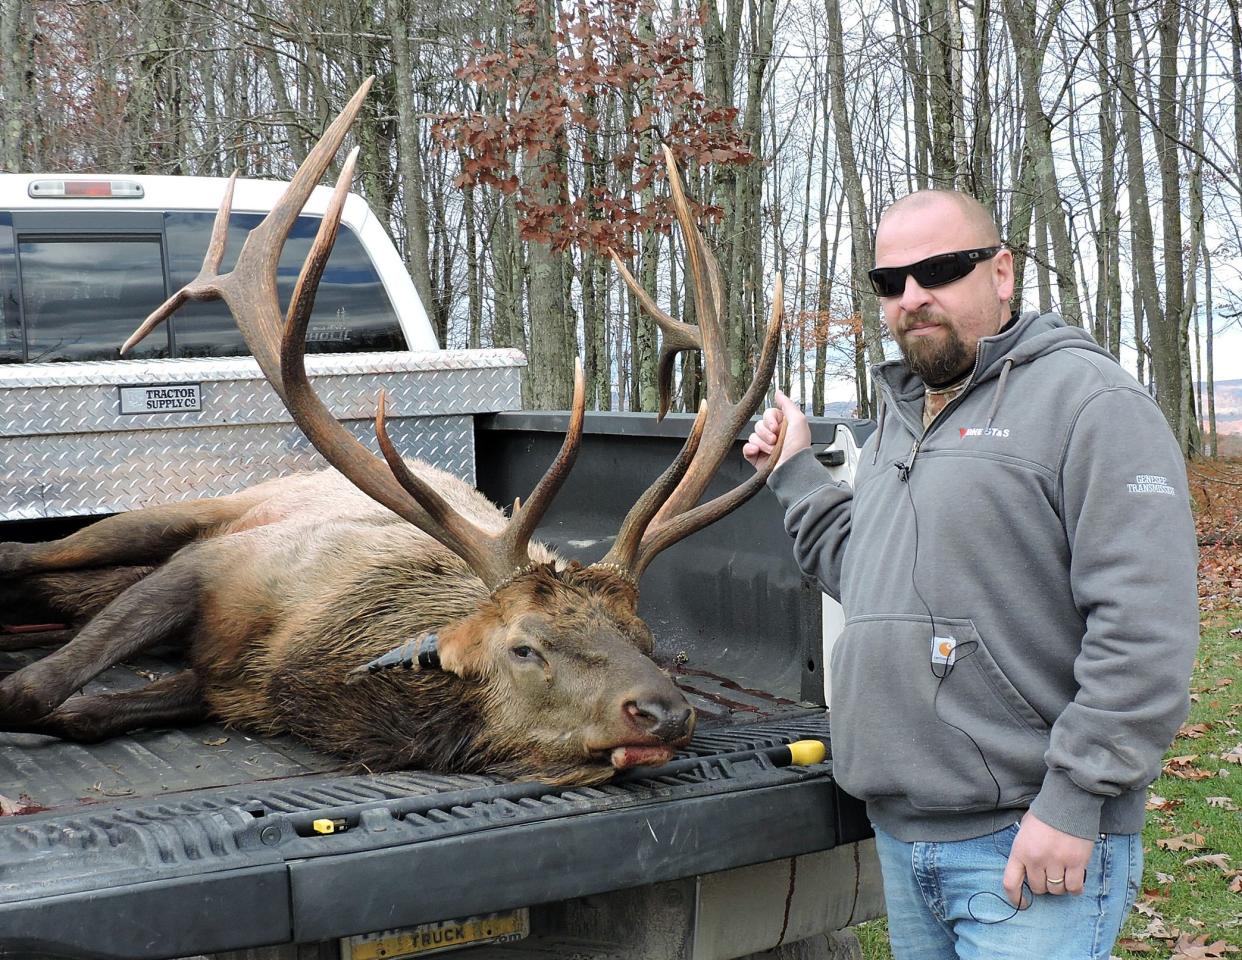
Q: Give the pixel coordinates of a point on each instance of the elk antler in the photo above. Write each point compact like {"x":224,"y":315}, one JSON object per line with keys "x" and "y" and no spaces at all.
{"x":666,"y":512}
{"x":279,"y":346}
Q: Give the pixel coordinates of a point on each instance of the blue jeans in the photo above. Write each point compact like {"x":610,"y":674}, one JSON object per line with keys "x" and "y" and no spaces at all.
{"x":945,"y":901}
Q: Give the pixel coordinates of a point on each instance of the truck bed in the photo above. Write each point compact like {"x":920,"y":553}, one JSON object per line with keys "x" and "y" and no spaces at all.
{"x":166,"y":843}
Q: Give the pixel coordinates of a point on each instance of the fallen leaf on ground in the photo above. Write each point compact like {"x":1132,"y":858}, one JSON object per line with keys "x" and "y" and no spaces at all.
{"x":1197,"y":948}
{"x":1221,"y":803}
{"x":1193,"y":731}
{"x":1164,"y":878}
{"x":1156,"y":802}
{"x":1182,"y":768}
{"x":1145,"y":908}
{"x":1134,"y":946}
{"x":215,"y":741}
{"x":1234,"y":755}
{"x":1156,"y":930}
{"x":1220,"y":860}
{"x":1187,"y":841}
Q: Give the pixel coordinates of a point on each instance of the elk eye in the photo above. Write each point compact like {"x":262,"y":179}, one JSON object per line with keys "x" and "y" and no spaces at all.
{"x":526,"y":653}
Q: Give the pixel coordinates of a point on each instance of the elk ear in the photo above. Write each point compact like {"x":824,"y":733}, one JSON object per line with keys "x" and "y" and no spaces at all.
{"x":462,"y":650}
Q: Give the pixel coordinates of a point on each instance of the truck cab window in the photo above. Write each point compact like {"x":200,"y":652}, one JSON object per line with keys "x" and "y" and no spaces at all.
{"x":352,"y":310}
{"x":82,"y":296}
{"x":11,"y":349}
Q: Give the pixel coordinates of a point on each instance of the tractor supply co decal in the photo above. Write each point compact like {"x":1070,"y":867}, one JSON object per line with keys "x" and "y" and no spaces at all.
{"x":1149,"y":483}
{"x":161,"y":398}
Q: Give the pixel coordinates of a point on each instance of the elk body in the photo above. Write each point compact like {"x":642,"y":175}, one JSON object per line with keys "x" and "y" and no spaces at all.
{"x":520,"y":663}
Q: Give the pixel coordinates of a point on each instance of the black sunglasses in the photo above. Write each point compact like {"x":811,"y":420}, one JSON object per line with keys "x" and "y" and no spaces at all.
{"x":933,"y":272}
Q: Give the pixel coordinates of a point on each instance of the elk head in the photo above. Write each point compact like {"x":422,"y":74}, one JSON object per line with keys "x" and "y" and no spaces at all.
{"x":557,"y":649}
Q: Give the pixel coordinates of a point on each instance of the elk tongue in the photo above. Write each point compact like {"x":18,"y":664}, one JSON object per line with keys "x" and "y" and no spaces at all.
{"x":625,"y":757}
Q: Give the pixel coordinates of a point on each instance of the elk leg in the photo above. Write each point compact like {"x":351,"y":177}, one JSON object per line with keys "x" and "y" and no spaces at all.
{"x":140,"y":538}
{"x":69,"y":597}
{"x":160,"y":607}
{"x":24,"y":640}
{"x":175,"y":700}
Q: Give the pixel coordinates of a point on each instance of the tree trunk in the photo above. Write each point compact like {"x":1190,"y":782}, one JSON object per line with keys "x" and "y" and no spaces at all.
{"x":409,"y":154}
{"x":14,"y":65}
{"x":1029,"y":49}
{"x":982,"y":183}
{"x":1169,"y":333}
{"x":904,"y":21}
{"x":1211,"y":372}
{"x":862,"y":251}
{"x":552,"y":352}
{"x":1143,"y":242}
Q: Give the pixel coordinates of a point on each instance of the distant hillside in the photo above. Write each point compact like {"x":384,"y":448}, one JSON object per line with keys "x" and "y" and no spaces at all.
{"x":1228,"y":407}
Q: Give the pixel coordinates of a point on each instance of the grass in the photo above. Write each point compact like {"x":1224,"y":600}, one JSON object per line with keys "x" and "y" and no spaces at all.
{"x":1195,"y":898}
{"x":1187,"y":903}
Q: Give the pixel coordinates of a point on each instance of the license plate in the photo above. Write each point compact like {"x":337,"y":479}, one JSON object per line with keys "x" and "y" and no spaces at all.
{"x":428,"y":938}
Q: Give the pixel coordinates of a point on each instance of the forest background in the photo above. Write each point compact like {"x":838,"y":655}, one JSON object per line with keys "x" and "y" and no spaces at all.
{"x":508,"y":149}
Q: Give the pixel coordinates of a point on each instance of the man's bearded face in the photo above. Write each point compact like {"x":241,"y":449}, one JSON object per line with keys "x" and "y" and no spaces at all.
{"x":936,"y":354}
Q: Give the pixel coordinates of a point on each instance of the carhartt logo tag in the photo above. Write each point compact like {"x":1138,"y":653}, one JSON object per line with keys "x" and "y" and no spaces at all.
{"x":943,"y":651}
{"x":1150,"y":483}
{"x":964,"y":432}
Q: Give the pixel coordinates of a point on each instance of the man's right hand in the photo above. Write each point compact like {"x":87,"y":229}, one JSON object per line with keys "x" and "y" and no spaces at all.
{"x":758,"y":448}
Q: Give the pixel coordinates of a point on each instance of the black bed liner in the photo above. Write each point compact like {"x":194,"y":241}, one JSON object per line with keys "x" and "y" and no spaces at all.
{"x":241,"y":866}
{"x":166,"y":843}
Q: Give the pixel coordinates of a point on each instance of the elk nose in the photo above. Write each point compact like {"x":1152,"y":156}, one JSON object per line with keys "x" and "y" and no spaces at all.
{"x":668,"y":721}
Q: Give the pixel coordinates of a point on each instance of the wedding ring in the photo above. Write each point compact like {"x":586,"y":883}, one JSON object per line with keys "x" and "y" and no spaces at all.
{"x":1060,"y":879}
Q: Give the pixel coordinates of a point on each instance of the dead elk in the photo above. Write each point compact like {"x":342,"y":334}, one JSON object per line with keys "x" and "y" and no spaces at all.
{"x":520,"y":663}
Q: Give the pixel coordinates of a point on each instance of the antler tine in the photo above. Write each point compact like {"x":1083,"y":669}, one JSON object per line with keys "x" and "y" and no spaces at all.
{"x":392,"y":486}
{"x":665,"y":535}
{"x":526,"y":516}
{"x":203,"y":286}
{"x":625,"y":548}
{"x":678,"y":336}
{"x":719,"y":421}
{"x":252,"y":282}
{"x":708,"y":285}
{"x":278,"y":344}
{"x":446,"y":525}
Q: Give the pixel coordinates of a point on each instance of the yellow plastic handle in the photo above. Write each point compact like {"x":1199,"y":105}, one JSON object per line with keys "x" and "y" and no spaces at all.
{"x":803,"y":752}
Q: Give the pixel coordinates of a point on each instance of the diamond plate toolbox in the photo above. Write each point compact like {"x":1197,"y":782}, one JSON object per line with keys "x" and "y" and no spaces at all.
{"x":94,"y":438}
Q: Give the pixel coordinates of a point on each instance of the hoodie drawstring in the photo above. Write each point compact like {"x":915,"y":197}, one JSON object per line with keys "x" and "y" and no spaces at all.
{"x":1000,"y":389}
{"x":879,"y":435}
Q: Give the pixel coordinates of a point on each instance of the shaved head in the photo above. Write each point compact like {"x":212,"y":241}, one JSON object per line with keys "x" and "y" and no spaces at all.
{"x":975,"y":216}
{"x":938,"y":326}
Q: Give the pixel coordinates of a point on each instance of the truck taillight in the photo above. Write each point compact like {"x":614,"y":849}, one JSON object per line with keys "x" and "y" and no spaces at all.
{"x":109,"y":189}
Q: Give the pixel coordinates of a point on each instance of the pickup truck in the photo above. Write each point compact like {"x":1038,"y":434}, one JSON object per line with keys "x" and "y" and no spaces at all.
{"x":206,"y":840}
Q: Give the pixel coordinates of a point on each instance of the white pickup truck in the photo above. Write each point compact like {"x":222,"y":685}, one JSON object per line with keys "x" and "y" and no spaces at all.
{"x":171,"y":843}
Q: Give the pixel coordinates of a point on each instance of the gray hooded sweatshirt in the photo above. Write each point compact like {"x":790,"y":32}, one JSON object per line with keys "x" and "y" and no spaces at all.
{"x":1019,"y":589}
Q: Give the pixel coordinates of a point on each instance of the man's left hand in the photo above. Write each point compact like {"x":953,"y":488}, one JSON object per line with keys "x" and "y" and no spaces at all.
{"x":1043,"y":856}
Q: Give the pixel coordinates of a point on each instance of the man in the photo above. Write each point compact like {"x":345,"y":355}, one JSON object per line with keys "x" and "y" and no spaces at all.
{"x":1016,"y":562}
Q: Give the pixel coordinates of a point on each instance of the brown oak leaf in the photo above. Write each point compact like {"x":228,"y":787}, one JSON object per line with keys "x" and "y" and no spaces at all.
{"x":1220,"y":860}
{"x":1197,"y":948}
{"x":1186,"y":841}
